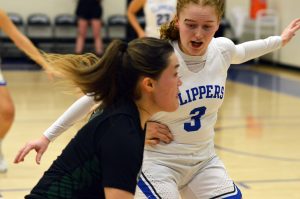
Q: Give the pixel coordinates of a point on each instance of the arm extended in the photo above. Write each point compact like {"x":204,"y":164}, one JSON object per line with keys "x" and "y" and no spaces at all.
{"x":20,"y":40}
{"x":256,"y":48}
{"x":73,"y":114}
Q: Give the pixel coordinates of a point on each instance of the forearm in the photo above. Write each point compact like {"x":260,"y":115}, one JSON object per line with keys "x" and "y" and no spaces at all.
{"x":113,"y":193}
{"x":134,"y":23}
{"x":133,"y":8}
{"x":24,"y":44}
{"x":74,"y":113}
{"x":20,"y":40}
{"x":253,"y":49}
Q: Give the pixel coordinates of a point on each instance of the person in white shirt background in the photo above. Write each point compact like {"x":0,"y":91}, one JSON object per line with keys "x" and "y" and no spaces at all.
{"x":157,"y":12}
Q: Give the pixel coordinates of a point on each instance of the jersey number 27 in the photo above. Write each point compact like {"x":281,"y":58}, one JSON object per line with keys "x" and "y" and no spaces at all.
{"x":162,"y":18}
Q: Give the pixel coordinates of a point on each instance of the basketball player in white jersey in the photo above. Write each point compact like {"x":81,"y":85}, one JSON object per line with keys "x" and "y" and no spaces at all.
{"x":157,"y":12}
{"x":7,"y":110}
{"x":188,"y":166}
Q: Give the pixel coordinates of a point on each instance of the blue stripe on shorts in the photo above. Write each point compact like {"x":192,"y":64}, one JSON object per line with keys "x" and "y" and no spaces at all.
{"x":3,"y":83}
{"x":146,"y":187}
{"x":235,"y":194}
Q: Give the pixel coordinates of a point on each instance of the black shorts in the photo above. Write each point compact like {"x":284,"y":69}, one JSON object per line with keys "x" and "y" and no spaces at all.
{"x":89,"y":9}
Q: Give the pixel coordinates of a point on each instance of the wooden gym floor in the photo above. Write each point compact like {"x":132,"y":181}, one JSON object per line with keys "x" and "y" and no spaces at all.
{"x":257,"y":134}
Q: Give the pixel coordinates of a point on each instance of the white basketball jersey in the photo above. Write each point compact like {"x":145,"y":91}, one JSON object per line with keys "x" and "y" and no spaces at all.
{"x":158,"y":12}
{"x":202,"y":93}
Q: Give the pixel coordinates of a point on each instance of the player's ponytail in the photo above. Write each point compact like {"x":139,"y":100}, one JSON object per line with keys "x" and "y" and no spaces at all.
{"x":116,"y":74}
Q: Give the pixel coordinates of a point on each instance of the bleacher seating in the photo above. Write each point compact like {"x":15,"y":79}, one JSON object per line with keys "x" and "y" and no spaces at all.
{"x":116,"y":27}
{"x":59,"y":34}
{"x":7,"y":47}
{"x":39,"y":29}
{"x":64,"y":33}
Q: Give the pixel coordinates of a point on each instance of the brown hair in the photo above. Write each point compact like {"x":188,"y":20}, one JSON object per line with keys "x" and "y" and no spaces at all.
{"x":170,"y":31}
{"x":115,"y":75}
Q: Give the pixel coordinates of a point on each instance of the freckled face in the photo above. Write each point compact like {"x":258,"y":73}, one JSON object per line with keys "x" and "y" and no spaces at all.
{"x":166,"y":87}
{"x":197,"y":25}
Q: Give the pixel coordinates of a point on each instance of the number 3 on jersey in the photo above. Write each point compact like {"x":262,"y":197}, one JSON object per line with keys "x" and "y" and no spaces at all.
{"x":195,"y":123}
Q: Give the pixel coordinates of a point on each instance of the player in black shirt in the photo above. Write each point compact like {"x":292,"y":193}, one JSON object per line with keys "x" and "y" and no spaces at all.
{"x":132,"y":82}
{"x":89,"y":12}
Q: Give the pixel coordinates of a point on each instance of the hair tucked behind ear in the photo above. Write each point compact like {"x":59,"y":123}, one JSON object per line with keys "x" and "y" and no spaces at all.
{"x":116,"y":74}
{"x":169,"y":31}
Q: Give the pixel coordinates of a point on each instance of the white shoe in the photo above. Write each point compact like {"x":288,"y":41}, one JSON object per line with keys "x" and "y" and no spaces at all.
{"x":3,"y":166}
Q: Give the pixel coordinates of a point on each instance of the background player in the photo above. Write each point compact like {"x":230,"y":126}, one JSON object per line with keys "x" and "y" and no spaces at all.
{"x":157,"y":12}
{"x":89,"y":12}
{"x":7,"y":109}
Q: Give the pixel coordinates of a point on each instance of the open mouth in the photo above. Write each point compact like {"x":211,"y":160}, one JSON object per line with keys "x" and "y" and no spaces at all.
{"x":196,"y":44}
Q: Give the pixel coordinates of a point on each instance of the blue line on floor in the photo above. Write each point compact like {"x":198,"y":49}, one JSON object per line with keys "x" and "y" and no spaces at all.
{"x":264,"y":80}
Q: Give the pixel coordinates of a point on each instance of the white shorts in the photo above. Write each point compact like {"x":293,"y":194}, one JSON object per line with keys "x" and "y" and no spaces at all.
{"x":2,"y":80}
{"x":172,"y":177}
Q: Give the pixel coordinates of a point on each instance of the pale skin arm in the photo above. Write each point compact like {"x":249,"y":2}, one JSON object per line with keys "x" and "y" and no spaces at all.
{"x":21,"y":41}
{"x":256,"y":48}
{"x":112,"y":193}
{"x":290,"y":31}
{"x":133,"y":8}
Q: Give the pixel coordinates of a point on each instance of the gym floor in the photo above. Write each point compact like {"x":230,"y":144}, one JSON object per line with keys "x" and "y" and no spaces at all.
{"x":257,"y":133}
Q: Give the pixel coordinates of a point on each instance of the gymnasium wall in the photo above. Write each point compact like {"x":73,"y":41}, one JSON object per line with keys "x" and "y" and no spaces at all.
{"x":288,"y":10}
{"x":54,"y":7}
